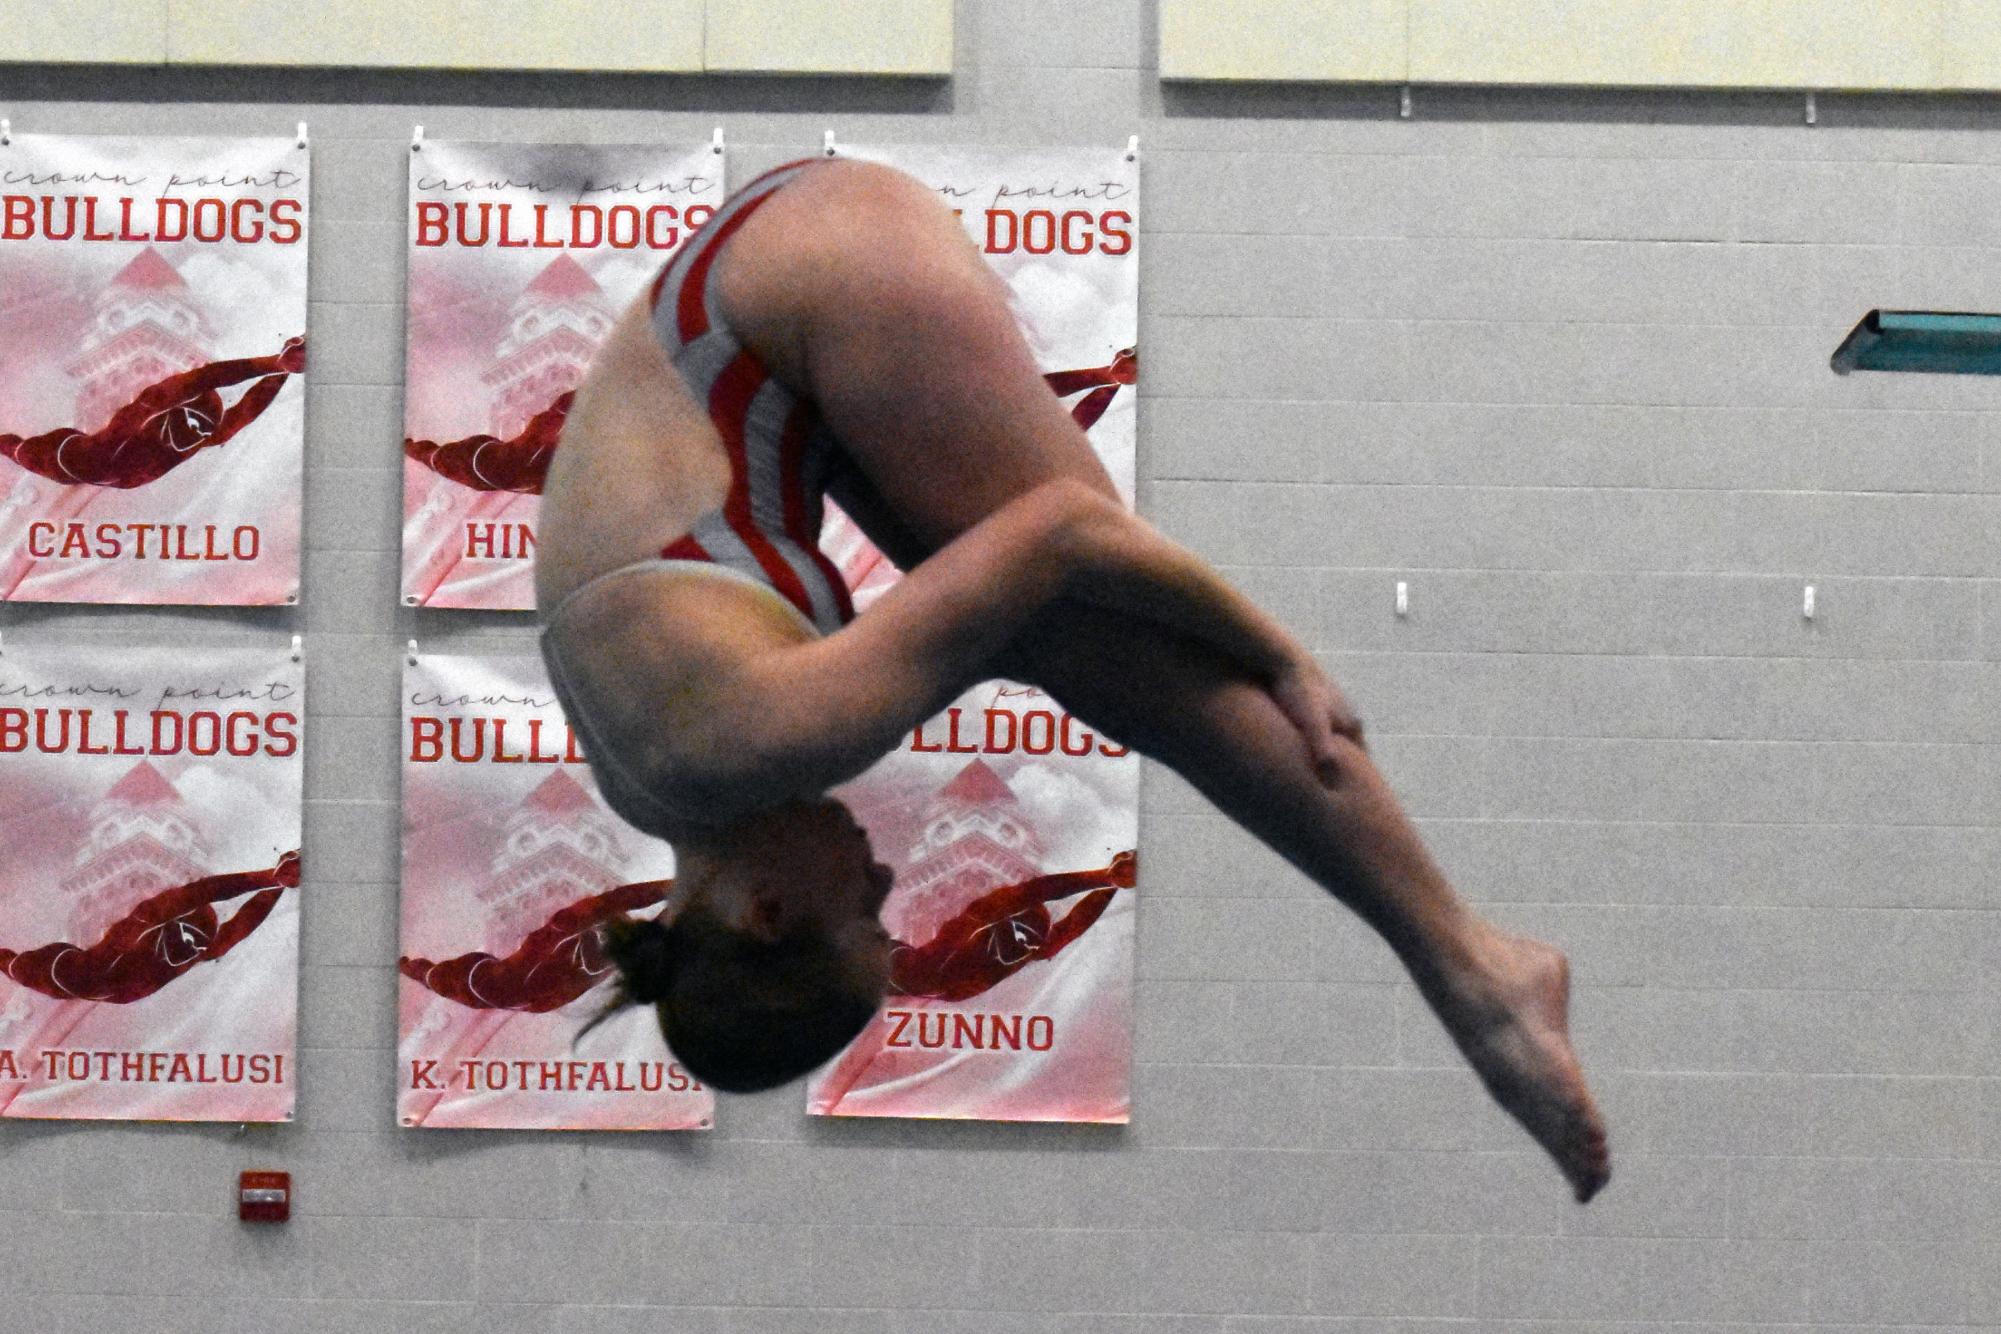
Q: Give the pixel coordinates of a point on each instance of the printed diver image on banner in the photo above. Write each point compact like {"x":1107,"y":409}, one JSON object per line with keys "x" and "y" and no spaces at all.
{"x":149,"y":924}
{"x":513,"y":870}
{"x":520,"y":258}
{"x":152,"y":340}
{"x":980,"y":805}
{"x":1010,"y":988}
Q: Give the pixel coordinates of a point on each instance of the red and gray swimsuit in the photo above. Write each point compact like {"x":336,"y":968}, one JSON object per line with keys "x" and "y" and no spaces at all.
{"x":765,"y":537}
{"x":780,"y":454}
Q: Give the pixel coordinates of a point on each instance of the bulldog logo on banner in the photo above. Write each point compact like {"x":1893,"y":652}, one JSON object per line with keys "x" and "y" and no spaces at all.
{"x":512,"y":868}
{"x":521,"y":257}
{"x":1009,"y":824}
{"x":152,"y":336}
{"x":149,"y":883}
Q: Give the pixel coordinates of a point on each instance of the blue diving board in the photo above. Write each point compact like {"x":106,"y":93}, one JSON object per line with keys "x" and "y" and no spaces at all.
{"x":1922,"y":340}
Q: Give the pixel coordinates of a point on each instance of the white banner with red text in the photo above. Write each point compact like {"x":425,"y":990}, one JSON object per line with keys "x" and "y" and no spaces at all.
{"x":152,"y":340}
{"x":512,"y":868}
{"x":149,"y":873}
{"x":521,"y":257}
{"x":1011,"y":825}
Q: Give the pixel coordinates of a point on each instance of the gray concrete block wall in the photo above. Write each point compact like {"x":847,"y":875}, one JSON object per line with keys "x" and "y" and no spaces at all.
{"x":1558,"y":362}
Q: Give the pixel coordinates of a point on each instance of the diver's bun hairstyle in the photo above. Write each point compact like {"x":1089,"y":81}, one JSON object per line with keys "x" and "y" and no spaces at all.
{"x":644,"y":953}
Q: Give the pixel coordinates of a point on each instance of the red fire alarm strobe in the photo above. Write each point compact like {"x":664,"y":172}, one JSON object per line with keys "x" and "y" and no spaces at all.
{"x":264,"y":1197}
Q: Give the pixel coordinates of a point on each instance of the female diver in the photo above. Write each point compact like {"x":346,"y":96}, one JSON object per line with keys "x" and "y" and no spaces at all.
{"x":831,"y":331}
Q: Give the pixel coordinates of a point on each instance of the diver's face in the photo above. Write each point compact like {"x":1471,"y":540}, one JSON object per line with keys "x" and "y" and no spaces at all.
{"x":860,"y":883}
{"x":809,"y":867}
{"x":857,"y":886}
{"x":852,"y":887}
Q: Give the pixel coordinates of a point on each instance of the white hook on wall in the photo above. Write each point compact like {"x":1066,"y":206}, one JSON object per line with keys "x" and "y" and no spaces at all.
{"x":417,"y":140}
{"x":1812,"y":110}
{"x":302,"y":134}
{"x":412,"y":659}
{"x":1132,"y":148}
{"x":1806,"y":603}
{"x":298,"y":648}
{"x":827,"y":145}
{"x":716,"y":141}
{"x":1404,"y":104}
{"x":1403,"y":598}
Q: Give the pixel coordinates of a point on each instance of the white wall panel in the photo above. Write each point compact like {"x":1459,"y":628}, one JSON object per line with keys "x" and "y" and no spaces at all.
{"x":98,"y":31}
{"x":829,"y":37}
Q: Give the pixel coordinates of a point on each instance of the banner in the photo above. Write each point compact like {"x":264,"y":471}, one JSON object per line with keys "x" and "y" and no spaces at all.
{"x":511,"y":867}
{"x":1009,"y":824}
{"x":152,"y":338}
{"x":149,"y":872}
{"x":521,"y":258}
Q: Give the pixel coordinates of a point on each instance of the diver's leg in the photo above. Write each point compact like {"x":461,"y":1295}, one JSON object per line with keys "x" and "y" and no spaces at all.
{"x":1503,"y":998}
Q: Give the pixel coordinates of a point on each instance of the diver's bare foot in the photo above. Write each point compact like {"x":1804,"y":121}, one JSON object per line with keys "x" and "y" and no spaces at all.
{"x":1513,"y":1024}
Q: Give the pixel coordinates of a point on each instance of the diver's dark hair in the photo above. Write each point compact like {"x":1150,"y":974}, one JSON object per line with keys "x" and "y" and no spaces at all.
{"x":644,"y":953}
{"x":740,"y":1013}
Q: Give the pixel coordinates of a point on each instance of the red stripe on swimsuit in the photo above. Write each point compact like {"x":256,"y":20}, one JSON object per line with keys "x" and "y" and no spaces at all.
{"x":769,"y":523}
{"x":729,"y":408}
